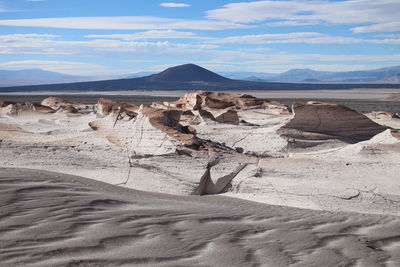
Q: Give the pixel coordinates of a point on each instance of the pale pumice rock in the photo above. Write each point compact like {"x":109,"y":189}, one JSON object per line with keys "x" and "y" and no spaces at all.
{"x":219,"y":101}
{"x":321,"y":121}
{"x":65,"y":106}
{"x":152,"y":131}
{"x":107,"y":106}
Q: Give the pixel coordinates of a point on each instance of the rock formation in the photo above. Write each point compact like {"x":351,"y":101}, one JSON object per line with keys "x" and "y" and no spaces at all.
{"x":216,"y":100}
{"x":213,"y":185}
{"x":27,"y":106}
{"x":318,"y":121}
{"x":107,"y":106}
{"x":229,"y":117}
{"x":8,"y":109}
{"x":220,"y":107}
{"x":152,"y":131}
{"x":11,"y":108}
{"x":67,"y":109}
{"x":384,"y":115}
{"x":57,"y":103}
{"x":6,"y":103}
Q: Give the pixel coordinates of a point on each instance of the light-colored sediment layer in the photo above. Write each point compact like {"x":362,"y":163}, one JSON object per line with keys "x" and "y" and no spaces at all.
{"x":149,"y":151}
{"x":53,"y":219}
{"x":360,"y":180}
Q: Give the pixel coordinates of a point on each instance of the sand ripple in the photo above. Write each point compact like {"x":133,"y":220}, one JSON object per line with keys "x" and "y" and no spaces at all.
{"x":50,"y":219}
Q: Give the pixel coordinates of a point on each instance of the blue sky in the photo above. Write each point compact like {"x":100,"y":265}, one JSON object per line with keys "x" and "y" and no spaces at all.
{"x":103,"y":37}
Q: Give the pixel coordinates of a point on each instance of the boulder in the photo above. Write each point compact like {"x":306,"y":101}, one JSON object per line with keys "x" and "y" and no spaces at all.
{"x":318,"y":121}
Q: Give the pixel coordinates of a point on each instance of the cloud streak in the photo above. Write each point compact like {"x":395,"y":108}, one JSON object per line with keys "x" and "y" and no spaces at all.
{"x":300,"y":37}
{"x":46,"y":44}
{"x":153,"y":34}
{"x":123,"y":23}
{"x":171,"y":4}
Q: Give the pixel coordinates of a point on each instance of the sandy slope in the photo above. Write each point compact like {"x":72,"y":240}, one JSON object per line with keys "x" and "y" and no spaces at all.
{"x":52,"y":219}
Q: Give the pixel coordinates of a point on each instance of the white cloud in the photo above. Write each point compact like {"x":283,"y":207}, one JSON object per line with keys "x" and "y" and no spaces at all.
{"x":171,"y":4}
{"x":385,"y":41}
{"x":382,"y":14}
{"x":388,"y":35}
{"x":286,"y":23}
{"x":301,"y":37}
{"x":50,"y":45}
{"x":153,"y":34}
{"x":130,"y":49}
{"x":138,"y":51}
{"x":123,"y":23}
{"x":379,"y":27}
{"x":287,"y":38}
{"x":28,"y":35}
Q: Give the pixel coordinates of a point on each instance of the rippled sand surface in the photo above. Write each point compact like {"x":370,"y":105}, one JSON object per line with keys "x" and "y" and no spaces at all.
{"x":52,"y":219}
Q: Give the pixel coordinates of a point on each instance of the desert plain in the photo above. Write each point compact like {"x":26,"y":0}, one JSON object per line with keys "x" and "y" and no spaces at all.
{"x":211,"y":179}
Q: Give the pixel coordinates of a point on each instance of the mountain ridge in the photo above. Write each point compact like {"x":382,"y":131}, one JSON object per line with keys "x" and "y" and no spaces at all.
{"x":31,"y":77}
{"x":360,"y":76}
{"x":171,"y":79}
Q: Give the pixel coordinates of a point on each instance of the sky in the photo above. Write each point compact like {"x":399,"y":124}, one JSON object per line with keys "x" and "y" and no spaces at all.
{"x":104,"y":37}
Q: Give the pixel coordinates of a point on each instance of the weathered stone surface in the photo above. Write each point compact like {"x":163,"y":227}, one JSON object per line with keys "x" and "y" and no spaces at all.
{"x":217,"y":100}
{"x":57,"y":103}
{"x":27,"y":106}
{"x":67,"y":109}
{"x":11,"y":108}
{"x":318,"y":120}
{"x":384,"y":115}
{"x":230,"y":117}
{"x":152,"y":131}
{"x":107,"y":106}
{"x":215,"y":185}
{"x":168,"y":122}
{"x":6,"y":103}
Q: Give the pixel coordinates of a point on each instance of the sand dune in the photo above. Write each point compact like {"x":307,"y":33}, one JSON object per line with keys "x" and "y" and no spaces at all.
{"x":52,"y":219}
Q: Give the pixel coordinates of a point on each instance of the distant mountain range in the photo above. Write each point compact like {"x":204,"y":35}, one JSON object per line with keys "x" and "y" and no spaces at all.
{"x":383,"y":75}
{"x":35,"y":76}
{"x":188,"y":77}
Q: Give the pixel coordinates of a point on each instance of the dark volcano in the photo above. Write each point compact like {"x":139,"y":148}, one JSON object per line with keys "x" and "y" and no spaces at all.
{"x":187,"y":73}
